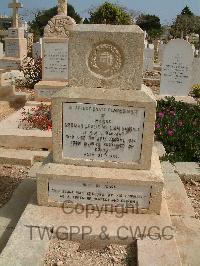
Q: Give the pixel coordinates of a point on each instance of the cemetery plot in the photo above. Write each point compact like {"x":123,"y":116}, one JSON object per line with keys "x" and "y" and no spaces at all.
{"x":11,"y":136}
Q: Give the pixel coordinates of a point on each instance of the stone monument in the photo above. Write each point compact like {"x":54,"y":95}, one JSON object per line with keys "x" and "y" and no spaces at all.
{"x":176,"y":68}
{"x":15,"y":43}
{"x":148,"y":59}
{"x":15,"y":51}
{"x":103,"y":130}
{"x":55,"y":53}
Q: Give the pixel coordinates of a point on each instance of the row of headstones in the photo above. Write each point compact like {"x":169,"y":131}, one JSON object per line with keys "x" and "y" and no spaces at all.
{"x":180,"y":69}
{"x":149,"y":54}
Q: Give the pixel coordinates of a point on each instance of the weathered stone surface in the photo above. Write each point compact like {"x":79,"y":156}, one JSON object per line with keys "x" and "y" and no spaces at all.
{"x":106,"y":56}
{"x":139,"y":179}
{"x":101,"y":97}
{"x":188,"y":239}
{"x":158,"y":252}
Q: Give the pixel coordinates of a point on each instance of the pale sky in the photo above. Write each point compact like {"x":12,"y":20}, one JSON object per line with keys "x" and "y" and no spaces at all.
{"x":165,"y":9}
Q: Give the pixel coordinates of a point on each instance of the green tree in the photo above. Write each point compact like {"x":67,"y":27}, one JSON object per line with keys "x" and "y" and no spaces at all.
{"x":184,"y":24}
{"x":151,"y":24}
{"x":109,"y":13}
{"x":41,"y":19}
{"x":186,"y":11}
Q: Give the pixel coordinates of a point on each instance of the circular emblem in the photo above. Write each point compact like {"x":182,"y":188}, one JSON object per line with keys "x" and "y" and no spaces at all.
{"x":105,"y":60}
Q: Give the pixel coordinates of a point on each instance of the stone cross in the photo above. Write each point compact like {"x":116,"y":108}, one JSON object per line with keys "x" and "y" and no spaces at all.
{"x":15,"y":5}
{"x":62,"y":7}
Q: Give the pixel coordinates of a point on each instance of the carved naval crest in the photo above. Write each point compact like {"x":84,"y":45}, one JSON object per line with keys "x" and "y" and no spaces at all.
{"x":105,"y":60}
{"x":59,"y":26}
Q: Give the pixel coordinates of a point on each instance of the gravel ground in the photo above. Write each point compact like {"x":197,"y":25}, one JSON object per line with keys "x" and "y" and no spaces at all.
{"x":67,"y":253}
{"x":193,"y":191}
{"x":10,"y":177}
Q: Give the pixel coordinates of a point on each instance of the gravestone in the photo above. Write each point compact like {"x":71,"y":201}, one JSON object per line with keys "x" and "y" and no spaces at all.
{"x":1,"y":50}
{"x":176,"y":68}
{"x":148,"y":59}
{"x":37,"y":50}
{"x":15,"y":43}
{"x":55,"y":54}
{"x":161,"y":52}
{"x":29,"y":38}
{"x":103,"y":134}
{"x":196,"y":72}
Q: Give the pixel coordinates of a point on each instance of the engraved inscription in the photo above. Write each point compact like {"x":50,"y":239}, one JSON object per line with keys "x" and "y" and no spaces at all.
{"x":55,"y":61}
{"x":12,"y":48}
{"x":176,"y":72}
{"x":102,"y":132}
{"x":100,"y":194}
{"x":105,"y":60}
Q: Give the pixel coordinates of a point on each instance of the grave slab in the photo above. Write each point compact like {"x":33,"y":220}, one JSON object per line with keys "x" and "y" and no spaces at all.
{"x":13,"y":137}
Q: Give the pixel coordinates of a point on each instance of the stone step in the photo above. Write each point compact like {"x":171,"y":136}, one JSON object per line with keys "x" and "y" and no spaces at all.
{"x":21,"y":157}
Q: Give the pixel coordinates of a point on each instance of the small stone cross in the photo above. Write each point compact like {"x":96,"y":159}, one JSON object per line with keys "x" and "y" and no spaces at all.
{"x":15,"y":5}
{"x":62,"y":7}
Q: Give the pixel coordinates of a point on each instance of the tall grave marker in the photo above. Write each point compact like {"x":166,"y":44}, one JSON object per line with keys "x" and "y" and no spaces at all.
{"x":15,"y":43}
{"x":103,"y":130}
{"x":176,"y":68}
{"x":55,"y":53}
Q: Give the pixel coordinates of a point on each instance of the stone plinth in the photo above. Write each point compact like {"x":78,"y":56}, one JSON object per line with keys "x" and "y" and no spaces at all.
{"x":106,"y":56}
{"x":55,"y":56}
{"x":141,"y":190}
{"x":104,"y":128}
{"x":16,"y":44}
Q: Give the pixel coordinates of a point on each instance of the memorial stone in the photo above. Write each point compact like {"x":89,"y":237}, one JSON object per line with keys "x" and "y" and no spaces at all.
{"x":1,"y":50}
{"x":55,"y":53}
{"x":148,"y":59}
{"x":103,"y":136}
{"x":15,"y":43}
{"x":176,"y":68}
{"x":37,"y":50}
{"x":196,"y":72}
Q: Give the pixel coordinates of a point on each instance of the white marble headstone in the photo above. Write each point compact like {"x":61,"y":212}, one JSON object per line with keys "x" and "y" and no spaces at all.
{"x":148,"y":59}
{"x":99,"y":193}
{"x":176,"y":68}
{"x":102,"y":132}
{"x":1,"y":50}
{"x":55,"y":61}
{"x":37,"y":50}
{"x":161,"y":52}
{"x":196,"y":71}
